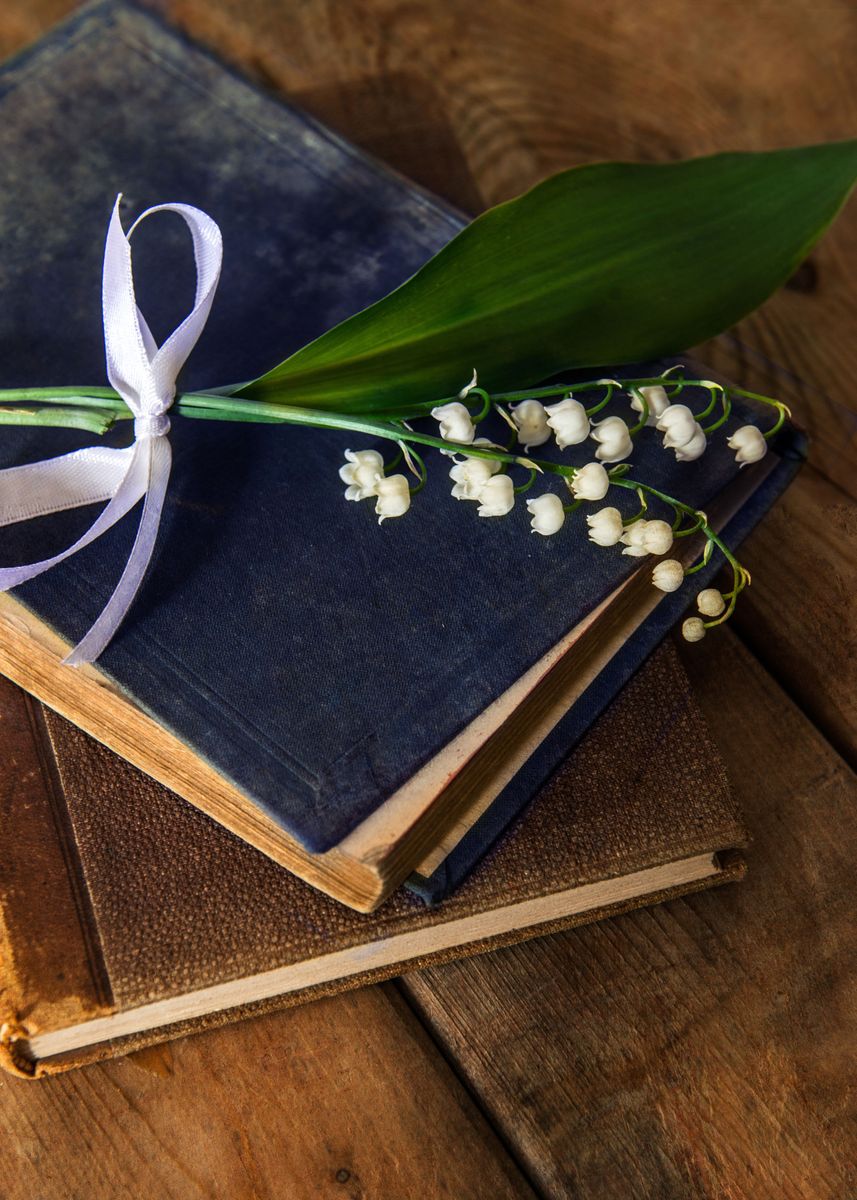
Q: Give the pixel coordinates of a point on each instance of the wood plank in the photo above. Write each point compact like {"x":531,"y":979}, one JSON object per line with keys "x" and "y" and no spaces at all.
{"x":703,"y":1047}
{"x":480,"y":102}
{"x":800,"y":615}
{"x":345,"y":1099}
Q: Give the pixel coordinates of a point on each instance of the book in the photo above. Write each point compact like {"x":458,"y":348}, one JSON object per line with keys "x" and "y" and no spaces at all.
{"x":128,"y":917}
{"x":337,"y":694}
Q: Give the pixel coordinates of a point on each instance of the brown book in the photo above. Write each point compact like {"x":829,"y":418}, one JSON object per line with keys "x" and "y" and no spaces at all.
{"x":128,"y":917}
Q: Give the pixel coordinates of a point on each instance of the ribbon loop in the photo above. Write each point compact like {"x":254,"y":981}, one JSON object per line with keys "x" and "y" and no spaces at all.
{"x":144,"y":375}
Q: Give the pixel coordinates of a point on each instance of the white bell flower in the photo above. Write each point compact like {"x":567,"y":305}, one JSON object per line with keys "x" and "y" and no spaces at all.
{"x":693,"y":449}
{"x":693,"y":630}
{"x":590,"y":482}
{"x":634,"y":540}
{"x":531,"y":422}
{"x":455,"y":423}
{"x":647,"y":537}
{"x":614,"y":439}
{"x":710,"y":602}
{"x":361,"y":472}
{"x":750,"y":444}
{"x":605,"y":526}
{"x":470,"y":473}
{"x":668,"y":575}
{"x":569,"y":422}
{"x":657,"y":536}
{"x":682,"y":431}
{"x":496,"y":497}
{"x":678,"y":423}
{"x":394,"y":497}
{"x":656,"y":398}
{"x":548,"y":514}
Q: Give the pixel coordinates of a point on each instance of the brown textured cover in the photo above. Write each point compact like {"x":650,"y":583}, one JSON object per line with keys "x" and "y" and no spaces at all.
{"x":153,"y":899}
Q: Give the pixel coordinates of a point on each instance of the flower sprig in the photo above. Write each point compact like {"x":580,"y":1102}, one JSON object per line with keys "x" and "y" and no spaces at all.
{"x":480,"y":466}
{"x":478,"y":469}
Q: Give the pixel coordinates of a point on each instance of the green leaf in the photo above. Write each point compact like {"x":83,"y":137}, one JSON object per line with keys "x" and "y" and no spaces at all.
{"x":599,"y":265}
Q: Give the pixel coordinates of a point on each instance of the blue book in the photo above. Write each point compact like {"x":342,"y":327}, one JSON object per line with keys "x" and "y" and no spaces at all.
{"x":358,"y":702}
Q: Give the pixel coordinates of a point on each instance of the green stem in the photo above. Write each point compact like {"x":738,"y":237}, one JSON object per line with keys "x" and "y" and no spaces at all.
{"x":525,"y":486}
{"x":780,"y":419}
{"x":92,"y":420}
{"x":727,"y":409}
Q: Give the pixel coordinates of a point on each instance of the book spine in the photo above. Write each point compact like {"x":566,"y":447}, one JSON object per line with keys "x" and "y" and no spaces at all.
{"x":732,"y":868}
{"x":52,"y":971}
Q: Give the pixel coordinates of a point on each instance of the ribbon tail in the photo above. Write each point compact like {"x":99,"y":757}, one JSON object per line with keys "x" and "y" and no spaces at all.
{"x":159,"y":456}
{"x":124,"y":484}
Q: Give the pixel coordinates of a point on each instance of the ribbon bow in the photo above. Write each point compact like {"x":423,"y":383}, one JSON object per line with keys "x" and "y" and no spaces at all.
{"x":144,"y":375}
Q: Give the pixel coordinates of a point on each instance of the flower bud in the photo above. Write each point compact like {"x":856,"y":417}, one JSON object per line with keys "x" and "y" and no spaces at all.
{"x":569,"y":422}
{"x":590,"y":482}
{"x":668,"y":575}
{"x":394,"y":497}
{"x":547,"y":512}
{"x":531,"y":423}
{"x":750,"y":444}
{"x":614,"y":437}
{"x":496,"y":497}
{"x":693,"y":630}
{"x":455,"y":423}
{"x":710,"y":602}
{"x":360,"y":473}
{"x":657,"y":536}
{"x":655,"y":397}
{"x":605,"y":526}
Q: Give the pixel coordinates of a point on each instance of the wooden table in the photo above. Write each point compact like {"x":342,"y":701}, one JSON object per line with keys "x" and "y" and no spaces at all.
{"x":705,"y":1048}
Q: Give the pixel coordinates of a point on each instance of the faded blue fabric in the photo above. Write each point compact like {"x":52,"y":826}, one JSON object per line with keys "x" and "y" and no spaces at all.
{"x":312,"y":657}
{"x":550,"y":755}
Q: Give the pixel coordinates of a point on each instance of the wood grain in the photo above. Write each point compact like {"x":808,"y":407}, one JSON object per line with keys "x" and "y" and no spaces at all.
{"x":509,"y":94}
{"x":344,"y":1100}
{"x":699,"y":1048}
{"x":800,"y":615}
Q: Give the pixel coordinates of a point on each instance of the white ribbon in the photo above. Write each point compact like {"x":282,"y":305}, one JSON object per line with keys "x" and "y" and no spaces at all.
{"x":144,"y":375}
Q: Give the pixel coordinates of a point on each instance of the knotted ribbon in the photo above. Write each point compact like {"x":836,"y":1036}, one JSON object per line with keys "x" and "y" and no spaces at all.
{"x":144,"y":375}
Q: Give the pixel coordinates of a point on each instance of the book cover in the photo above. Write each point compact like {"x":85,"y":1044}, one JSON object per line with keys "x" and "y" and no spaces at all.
{"x":284,"y":649}
{"x":128,"y":917}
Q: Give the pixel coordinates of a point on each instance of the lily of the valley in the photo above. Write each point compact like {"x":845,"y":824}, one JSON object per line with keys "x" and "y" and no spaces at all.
{"x":547,"y":513}
{"x":710,"y":602}
{"x":682,"y":431}
{"x":361,"y":472}
{"x":531,"y":422}
{"x":569,"y":422}
{"x":605,"y":526}
{"x":471,"y":474}
{"x":656,"y":399}
{"x":647,"y":537}
{"x":693,"y":630}
{"x":614,"y":439}
{"x":750,"y":444}
{"x":668,"y":575}
{"x":455,"y":423}
{"x":496,"y":497}
{"x":590,"y":482}
{"x":394,"y":497}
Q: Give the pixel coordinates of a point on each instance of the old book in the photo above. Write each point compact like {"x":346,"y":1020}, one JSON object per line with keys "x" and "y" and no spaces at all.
{"x":128,"y":917}
{"x":334,"y":693}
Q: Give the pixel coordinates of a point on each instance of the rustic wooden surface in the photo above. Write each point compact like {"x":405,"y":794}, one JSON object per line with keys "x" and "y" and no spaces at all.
{"x":703,"y":1049}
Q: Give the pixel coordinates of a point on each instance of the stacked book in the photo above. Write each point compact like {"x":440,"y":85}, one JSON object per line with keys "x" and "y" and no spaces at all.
{"x":317,"y":751}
